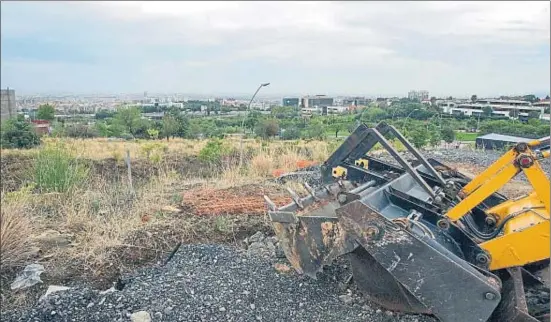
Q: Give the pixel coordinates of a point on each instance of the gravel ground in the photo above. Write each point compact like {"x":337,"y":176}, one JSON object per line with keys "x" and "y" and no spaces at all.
{"x":475,"y":157}
{"x":478,"y":158}
{"x":213,"y":283}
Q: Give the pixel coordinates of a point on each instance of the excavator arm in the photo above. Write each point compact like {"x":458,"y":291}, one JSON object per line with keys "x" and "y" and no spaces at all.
{"x":518,"y":223}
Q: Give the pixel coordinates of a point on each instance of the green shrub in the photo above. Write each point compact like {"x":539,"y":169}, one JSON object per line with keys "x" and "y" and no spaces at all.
{"x":291,"y":133}
{"x":56,"y":170}
{"x":213,"y":151}
{"x":80,"y":131}
{"x":267,"y":128}
{"x":18,"y":134}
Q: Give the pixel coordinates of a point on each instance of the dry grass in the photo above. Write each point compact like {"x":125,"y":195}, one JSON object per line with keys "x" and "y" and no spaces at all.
{"x":16,"y":229}
{"x":111,"y":229}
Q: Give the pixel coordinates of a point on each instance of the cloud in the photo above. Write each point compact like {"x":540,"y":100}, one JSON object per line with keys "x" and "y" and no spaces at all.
{"x":370,"y":48}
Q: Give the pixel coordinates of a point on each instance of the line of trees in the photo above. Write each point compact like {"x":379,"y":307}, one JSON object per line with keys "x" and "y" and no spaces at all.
{"x":423,"y":125}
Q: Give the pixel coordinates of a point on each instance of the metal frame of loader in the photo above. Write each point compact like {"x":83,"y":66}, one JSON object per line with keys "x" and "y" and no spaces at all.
{"x":436,"y":265}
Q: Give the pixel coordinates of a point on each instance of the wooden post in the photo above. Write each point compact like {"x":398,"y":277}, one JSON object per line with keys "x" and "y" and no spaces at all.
{"x":129,"y":172}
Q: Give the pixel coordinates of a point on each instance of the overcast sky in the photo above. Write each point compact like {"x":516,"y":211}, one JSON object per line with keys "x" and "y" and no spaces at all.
{"x":367,"y":48}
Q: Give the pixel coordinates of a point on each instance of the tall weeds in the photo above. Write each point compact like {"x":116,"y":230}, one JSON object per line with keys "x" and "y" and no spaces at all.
{"x":57,"y":170}
{"x":15,"y":236}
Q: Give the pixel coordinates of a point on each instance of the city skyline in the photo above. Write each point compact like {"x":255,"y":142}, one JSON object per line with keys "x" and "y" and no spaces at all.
{"x":228,"y":48}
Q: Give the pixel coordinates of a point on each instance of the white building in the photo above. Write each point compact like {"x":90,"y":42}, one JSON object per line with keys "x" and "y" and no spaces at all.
{"x":310,"y":110}
{"x":544,"y":106}
{"x":506,"y":108}
{"x":337,"y":109}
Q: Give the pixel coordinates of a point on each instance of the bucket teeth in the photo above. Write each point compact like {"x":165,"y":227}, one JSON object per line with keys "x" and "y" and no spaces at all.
{"x":311,"y":191}
{"x":295,"y":198}
{"x":271,"y":205}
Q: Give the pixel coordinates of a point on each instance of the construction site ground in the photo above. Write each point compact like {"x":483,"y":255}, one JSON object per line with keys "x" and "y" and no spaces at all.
{"x":227,"y":268}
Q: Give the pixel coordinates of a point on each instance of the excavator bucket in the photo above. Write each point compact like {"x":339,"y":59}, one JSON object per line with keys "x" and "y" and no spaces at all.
{"x":388,"y":217}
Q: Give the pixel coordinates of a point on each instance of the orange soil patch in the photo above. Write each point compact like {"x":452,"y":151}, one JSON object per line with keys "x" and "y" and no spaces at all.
{"x":232,"y":201}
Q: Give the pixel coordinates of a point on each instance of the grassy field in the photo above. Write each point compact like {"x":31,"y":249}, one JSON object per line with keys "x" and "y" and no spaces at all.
{"x":465,"y":136}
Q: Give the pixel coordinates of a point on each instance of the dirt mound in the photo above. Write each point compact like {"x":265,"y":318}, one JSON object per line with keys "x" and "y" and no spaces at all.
{"x":232,"y":201}
{"x":144,"y":169}
{"x":15,"y":169}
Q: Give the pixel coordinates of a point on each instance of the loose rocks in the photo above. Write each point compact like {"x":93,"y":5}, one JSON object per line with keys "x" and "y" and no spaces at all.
{"x":141,"y":316}
{"x":209,"y":283}
{"x":260,"y":245}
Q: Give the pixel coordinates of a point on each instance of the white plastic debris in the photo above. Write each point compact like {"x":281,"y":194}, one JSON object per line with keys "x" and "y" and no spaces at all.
{"x":52,"y":289}
{"x":109,"y":290}
{"x":28,"y":277}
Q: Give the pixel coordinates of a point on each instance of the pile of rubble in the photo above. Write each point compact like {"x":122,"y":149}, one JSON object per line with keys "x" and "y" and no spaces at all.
{"x":263,"y":246}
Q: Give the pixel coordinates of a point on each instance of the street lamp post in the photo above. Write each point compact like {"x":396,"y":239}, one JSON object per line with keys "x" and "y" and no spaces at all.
{"x":393,"y":113}
{"x":243,"y":123}
{"x":405,"y":122}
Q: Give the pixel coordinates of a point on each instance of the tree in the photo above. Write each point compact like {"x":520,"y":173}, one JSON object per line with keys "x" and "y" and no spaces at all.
{"x":487,"y":111}
{"x":252,"y":119}
{"x":103,"y":114}
{"x":448,"y":134}
{"x":534,"y":115}
{"x":373,"y":114}
{"x":471,"y":124}
{"x":18,"y":134}
{"x":181,"y":119}
{"x":534,"y":122}
{"x":153,"y":133}
{"x":195,"y":130}
{"x":433,"y":101}
{"x":291,"y":133}
{"x":80,"y":131}
{"x":474,"y":98}
{"x":419,"y":136}
{"x":435,"y":138}
{"x":129,"y":118}
{"x":140,"y":127}
{"x":170,"y":126}
{"x":45,"y":112}
{"x":267,"y":128}
{"x":530,"y":98}
{"x":315,"y":130}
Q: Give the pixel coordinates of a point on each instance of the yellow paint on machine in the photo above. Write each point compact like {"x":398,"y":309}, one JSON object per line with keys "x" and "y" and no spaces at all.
{"x":339,"y":172}
{"x":362,"y":163}
{"x":519,"y":248}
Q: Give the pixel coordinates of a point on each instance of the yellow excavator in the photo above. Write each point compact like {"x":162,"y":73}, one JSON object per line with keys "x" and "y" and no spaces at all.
{"x":423,"y":238}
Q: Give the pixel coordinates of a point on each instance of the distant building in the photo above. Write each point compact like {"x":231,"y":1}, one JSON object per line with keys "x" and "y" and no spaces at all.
{"x":7,"y":107}
{"x":42,"y":127}
{"x":356,"y":101}
{"x":418,"y":95}
{"x":544,"y":106}
{"x":316,"y":101}
{"x":494,"y":141}
{"x":509,"y":108}
{"x":290,"y":102}
{"x":335,"y":110}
